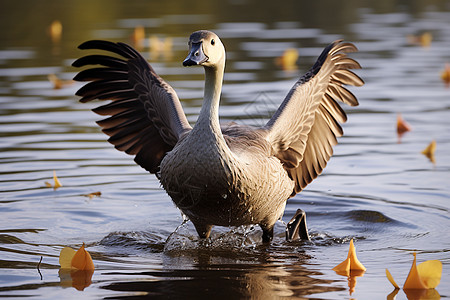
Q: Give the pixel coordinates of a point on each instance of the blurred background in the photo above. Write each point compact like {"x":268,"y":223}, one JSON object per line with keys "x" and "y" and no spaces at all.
{"x":384,"y":187}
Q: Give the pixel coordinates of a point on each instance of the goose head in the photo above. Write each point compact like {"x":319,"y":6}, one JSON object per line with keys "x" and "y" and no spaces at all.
{"x":205,"y":49}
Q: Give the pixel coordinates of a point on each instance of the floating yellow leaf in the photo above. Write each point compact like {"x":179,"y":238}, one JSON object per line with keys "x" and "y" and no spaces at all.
{"x":429,"y":151}
{"x":423,"y":39}
{"x":56,"y":180}
{"x":343,"y":268}
{"x":92,"y":195}
{"x":82,"y":260}
{"x":138,"y":37}
{"x":65,"y":257}
{"x":288,"y":60}
{"x":445,"y":75}
{"x":426,"y":275}
{"x":71,"y":259}
{"x":350,"y":267}
{"x":391,"y":279}
{"x":351,"y":263}
{"x":355,"y":264}
{"x":160,"y":47}
{"x":430,"y":272}
{"x":167,"y":48}
{"x":413,"y":281}
{"x":55,"y":31}
{"x":58,"y":83}
{"x":402,"y":126}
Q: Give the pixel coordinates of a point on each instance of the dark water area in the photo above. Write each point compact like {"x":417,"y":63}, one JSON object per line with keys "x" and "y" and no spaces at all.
{"x":378,"y":188}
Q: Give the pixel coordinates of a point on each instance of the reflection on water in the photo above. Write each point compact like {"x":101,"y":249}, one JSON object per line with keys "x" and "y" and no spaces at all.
{"x":377,"y":189}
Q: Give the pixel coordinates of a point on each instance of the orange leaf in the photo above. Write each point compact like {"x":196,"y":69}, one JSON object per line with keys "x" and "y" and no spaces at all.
{"x":402,"y":126}
{"x":430,"y":273}
{"x":288,"y":61}
{"x":425,"y":39}
{"x":138,"y":37}
{"x":57,"y":182}
{"x":92,"y":195}
{"x":413,"y":281}
{"x":445,"y":75}
{"x":55,"y":31}
{"x":350,"y":264}
{"x":58,"y":83}
{"x":355,"y":264}
{"x":391,"y":279}
{"x":429,"y":151}
{"x":343,"y":268}
{"x":82,"y":260}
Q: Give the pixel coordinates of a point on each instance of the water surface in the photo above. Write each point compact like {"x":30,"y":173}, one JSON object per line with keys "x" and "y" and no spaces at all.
{"x":377,"y":189}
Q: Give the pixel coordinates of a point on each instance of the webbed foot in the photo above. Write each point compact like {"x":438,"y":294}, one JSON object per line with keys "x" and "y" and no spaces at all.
{"x":296,"y":227}
{"x":203,"y":230}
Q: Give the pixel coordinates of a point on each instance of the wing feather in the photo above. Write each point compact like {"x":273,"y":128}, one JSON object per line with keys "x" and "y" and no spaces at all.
{"x":305,"y":128}
{"x":145,"y":115}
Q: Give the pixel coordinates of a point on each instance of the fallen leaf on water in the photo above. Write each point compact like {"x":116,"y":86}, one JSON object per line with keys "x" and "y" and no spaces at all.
{"x":426,"y":275}
{"x":350,"y":264}
{"x":56,"y":180}
{"x":71,"y":259}
{"x":92,"y":195}
{"x":288,"y":60}
{"x":59,"y":83}
{"x":160,"y":47}
{"x":445,"y":75}
{"x":413,"y":281}
{"x":350,"y":267}
{"x":429,"y":151}
{"x":138,"y":37}
{"x":65,"y":257}
{"x":402,"y":125}
{"x":391,"y":279}
{"x":55,"y":31}
{"x":430,"y":272}
{"x":76,"y":269}
{"x":423,"y":39}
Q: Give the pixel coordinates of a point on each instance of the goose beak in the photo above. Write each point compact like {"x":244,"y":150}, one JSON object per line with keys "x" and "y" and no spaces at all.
{"x":195,"y":56}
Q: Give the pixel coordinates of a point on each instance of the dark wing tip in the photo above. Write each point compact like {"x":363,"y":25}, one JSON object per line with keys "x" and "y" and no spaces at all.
{"x":96,"y":44}
{"x":118,"y":48}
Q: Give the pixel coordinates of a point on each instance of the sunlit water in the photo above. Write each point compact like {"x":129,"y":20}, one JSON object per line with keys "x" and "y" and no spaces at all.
{"x":378,"y":189}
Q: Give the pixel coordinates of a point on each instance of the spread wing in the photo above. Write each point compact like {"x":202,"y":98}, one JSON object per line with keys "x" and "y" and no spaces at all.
{"x":146,"y":117}
{"x":304,"y":129}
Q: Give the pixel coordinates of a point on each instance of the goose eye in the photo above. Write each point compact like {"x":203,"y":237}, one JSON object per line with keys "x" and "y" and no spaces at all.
{"x":213,"y":42}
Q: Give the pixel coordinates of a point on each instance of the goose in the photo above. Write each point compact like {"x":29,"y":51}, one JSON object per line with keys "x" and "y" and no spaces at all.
{"x":229,"y":175}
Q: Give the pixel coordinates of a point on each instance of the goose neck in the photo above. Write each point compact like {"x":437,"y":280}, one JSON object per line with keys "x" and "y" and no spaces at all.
{"x":209,"y":114}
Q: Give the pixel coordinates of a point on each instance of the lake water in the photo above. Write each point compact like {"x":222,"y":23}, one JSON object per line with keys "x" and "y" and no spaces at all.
{"x":377,"y":189}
